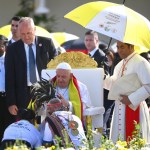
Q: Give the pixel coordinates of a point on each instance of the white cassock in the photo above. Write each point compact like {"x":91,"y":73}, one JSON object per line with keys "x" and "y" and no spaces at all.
{"x":65,"y":117}
{"x":134,"y":64}
{"x":85,"y":97}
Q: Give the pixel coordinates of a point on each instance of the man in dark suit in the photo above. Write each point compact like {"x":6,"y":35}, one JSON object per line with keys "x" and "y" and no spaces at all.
{"x":91,"y":41}
{"x":14,"y":29}
{"x":18,"y":63}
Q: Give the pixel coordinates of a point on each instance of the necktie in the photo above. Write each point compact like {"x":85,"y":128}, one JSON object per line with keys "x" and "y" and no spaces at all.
{"x":32,"y":71}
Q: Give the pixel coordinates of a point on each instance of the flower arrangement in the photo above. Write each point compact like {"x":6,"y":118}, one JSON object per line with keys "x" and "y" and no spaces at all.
{"x":135,"y":143}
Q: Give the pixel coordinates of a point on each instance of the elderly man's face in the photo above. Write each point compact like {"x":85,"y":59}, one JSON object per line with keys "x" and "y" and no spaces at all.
{"x":63,"y":77}
{"x":27,"y":32}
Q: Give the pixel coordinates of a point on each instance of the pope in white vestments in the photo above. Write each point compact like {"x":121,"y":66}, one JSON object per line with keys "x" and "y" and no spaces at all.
{"x":131,"y":63}
{"x":73,"y":93}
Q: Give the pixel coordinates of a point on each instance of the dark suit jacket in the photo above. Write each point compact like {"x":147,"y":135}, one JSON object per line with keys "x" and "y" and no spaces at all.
{"x":9,"y":42}
{"x":101,"y":59}
{"x":16,"y":69}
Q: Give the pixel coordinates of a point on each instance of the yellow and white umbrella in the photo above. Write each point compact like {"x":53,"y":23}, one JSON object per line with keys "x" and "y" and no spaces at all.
{"x":136,"y":48}
{"x":62,"y":37}
{"x":5,"y":30}
{"x":114,"y":20}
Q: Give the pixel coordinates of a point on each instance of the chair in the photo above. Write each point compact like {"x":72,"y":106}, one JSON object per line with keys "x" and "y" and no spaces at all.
{"x":85,"y":70}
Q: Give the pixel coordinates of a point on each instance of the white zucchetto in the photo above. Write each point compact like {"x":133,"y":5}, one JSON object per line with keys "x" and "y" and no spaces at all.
{"x":63,"y":65}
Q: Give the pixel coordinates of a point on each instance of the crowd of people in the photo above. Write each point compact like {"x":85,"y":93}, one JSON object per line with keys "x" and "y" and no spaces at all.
{"x":21,"y":62}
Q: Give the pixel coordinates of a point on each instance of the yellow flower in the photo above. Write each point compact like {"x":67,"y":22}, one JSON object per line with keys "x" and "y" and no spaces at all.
{"x":122,"y":148}
{"x":52,"y":147}
{"x":142,"y":141}
{"x":121,"y":145}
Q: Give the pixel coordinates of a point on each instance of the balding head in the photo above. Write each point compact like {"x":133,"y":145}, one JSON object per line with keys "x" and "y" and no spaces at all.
{"x":53,"y":105}
{"x":26,"y":30}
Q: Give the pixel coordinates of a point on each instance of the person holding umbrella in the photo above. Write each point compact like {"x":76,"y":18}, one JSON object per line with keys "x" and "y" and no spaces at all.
{"x":130,"y":107}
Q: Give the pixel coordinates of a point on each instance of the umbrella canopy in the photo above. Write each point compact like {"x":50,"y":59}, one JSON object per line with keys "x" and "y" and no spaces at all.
{"x":136,"y":48}
{"x":5,"y":30}
{"x":75,"y":45}
{"x":114,"y":20}
{"x":62,"y":37}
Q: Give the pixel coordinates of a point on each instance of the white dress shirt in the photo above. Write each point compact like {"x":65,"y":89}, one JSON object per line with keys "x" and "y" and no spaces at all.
{"x":93,"y":52}
{"x":12,"y":41}
{"x":2,"y":73}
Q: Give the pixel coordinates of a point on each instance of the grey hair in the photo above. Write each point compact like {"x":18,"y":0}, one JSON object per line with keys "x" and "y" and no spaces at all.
{"x":27,"y":20}
{"x":55,"y":101}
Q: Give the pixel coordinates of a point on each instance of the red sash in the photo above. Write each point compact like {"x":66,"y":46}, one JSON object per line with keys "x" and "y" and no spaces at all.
{"x":131,"y":115}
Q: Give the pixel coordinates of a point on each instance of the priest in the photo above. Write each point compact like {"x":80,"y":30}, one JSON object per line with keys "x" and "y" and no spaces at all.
{"x":130,"y":107}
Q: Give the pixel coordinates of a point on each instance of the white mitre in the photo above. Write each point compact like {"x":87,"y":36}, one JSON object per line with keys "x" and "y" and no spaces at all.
{"x":63,"y":65}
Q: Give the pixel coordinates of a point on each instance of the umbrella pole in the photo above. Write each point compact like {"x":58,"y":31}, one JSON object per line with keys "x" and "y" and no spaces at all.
{"x":124,"y":1}
{"x":109,"y":43}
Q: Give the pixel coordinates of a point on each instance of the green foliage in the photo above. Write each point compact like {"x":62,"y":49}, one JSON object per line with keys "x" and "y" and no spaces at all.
{"x":58,"y":141}
{"x":27,"y":10}
{"x":19,"y":145}
{"x":135,"y":143}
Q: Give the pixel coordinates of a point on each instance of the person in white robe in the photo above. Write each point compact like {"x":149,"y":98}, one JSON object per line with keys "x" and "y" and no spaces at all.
{"x":131,"y":63}
{"x":73,"y":93}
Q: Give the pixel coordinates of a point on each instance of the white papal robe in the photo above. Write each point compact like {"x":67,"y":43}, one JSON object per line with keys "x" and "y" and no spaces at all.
{"x":134,"y":64}
{"x":84,"y":93}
